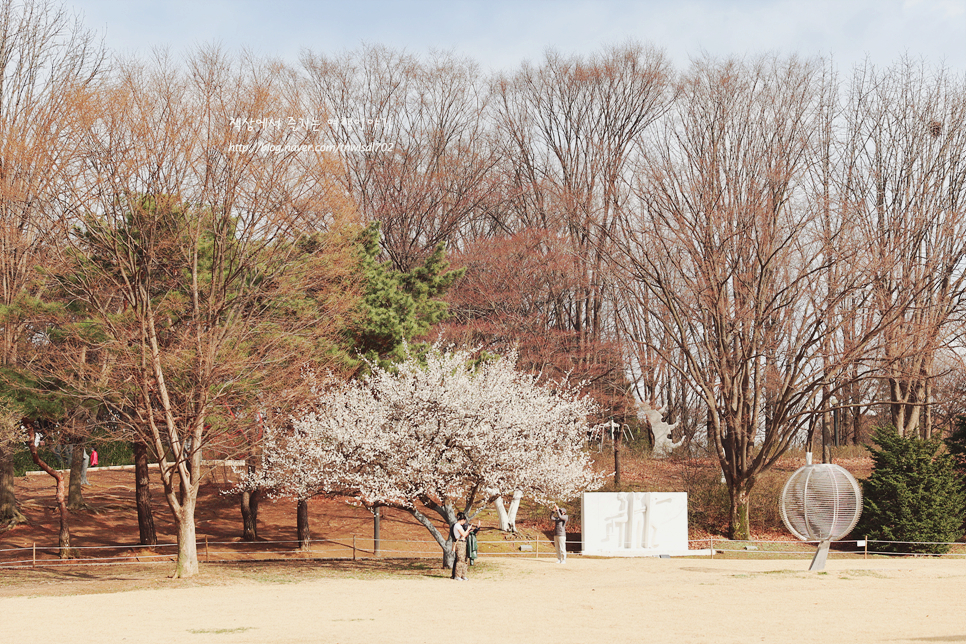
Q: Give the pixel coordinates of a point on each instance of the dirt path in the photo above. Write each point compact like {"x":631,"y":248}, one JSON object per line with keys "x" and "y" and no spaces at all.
{"x":528,"y":601}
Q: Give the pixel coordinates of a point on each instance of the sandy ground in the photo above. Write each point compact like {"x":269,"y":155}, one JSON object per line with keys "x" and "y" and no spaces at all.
{"x":530,"y":601}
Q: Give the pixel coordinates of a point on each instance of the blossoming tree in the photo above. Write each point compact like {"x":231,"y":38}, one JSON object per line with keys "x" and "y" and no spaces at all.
{"x":446,"y":433}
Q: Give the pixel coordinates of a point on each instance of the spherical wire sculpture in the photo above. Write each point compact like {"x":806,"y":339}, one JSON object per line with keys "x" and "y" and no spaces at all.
{"x":821,"y":502}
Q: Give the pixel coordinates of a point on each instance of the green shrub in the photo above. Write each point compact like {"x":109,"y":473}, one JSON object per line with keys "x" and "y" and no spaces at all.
{"x":113,"y":452}
{"x":912,"y":495}
{"x":108,"y":453}
{"x":23,"y":462}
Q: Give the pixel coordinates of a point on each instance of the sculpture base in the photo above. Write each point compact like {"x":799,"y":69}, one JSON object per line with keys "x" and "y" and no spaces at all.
{"x":649,"y":552}
{"x":821,"y":555}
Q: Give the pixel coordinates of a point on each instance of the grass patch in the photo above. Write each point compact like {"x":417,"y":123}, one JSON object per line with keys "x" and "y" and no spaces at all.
{"x":852,"y":574}
{"x":767,"y":573}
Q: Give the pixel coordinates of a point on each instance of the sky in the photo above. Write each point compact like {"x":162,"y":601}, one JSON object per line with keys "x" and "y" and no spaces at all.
{"x":501,"y":34}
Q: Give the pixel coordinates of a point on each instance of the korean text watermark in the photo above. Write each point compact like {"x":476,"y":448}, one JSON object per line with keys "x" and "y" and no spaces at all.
{"x":304,"y":124}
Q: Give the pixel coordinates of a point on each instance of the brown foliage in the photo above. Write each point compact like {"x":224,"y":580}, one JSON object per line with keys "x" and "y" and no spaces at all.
{"x":514,"y":296}
{"x":198,"y":254}
{"x":46,"y":69}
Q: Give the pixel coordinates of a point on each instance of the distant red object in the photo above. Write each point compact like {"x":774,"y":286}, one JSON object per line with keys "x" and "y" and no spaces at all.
{"x":93,"y":457}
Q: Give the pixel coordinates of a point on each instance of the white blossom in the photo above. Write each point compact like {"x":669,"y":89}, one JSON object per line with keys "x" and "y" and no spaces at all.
{"x":444,"y":432}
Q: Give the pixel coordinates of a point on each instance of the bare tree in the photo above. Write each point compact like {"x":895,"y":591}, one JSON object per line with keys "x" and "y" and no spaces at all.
{"x":728,"y":255}
{"x":206,"y":230}
{"x":47,"y":62}
{"x":569,"y":129}
{"x":508,"y":299}
{"x":412,"y":141}
{"x":904,"y":180}
{"x":949,"y":389}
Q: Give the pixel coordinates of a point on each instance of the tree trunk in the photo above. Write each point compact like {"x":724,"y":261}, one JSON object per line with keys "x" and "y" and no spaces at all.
{"x":508,"y":519}
{"x":187,"y":565}
{"x":739,"y":527}
{"x":448,"y":514}
{"x":826,"y":439}
{"x":142,"y":495}
{"x":449,"y":554}
{"x":514,"y":508}
{"x":75,"y":495}
{"x":502,"y":515}
{"x":249,"y":512}
{"x":64,"y":536}
{"x":302,"y":524}
{"x":61,"y":494}
{"x":249,"y":506}
{"x":617,"y":464}
{"x":10,"y":515}
{"x":181,"y":492}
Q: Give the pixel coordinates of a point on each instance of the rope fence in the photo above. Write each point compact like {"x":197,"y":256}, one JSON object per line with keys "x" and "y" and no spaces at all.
{"x":357,"y":547}
{"x":354,"y":547}
{"x":852,"y":548}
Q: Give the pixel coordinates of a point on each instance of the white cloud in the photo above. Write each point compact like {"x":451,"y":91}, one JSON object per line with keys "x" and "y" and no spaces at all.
{"x":500,"y":34}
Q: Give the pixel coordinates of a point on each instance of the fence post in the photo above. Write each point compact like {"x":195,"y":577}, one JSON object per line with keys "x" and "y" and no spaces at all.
{"x":353,"y":547}
{"x":711,"y":541}
{"x":206,"y":548}
{"x":866,"y":548}
{"x":536,"y":546}
{"x":376,"y":537}
{"x":34,"y":565}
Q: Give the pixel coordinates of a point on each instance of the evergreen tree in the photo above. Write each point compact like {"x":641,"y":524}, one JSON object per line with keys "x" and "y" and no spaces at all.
{"x":398,"y":306}
{"x":913,"y":495}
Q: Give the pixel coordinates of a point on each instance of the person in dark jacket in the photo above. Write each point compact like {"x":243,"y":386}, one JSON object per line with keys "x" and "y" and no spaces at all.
{"x":459,"y":533}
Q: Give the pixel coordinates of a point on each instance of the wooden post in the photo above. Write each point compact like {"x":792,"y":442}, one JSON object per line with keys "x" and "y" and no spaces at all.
{"x":712,"y":546}
{"x":866,"y":548}
{"x":536,"y":546}
{"x":35,"y":555}
{"x":353,"y":547}
{"x":206,"y":548}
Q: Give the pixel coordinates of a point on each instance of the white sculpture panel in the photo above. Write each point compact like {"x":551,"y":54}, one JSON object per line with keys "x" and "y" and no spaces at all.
{"x":634,"y":523}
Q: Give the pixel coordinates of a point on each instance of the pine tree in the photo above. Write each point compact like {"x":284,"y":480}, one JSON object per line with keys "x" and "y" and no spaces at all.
{"x":398,"y":306}
{"x":913,"y":495}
